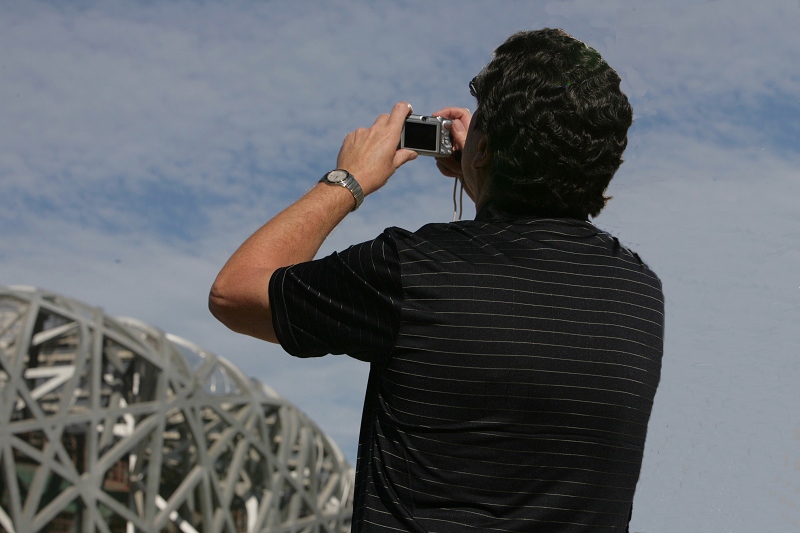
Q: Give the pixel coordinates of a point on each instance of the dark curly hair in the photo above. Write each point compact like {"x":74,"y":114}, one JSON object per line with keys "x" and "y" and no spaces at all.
{"x":556,"y":122}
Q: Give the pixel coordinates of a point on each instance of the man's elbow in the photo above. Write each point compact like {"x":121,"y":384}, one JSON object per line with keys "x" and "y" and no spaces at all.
{"x":222,"y":306}
{"x":239,"y":314}
{"x":218,"y":305}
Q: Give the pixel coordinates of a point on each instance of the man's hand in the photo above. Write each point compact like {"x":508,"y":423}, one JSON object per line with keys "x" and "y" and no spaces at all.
{"x":371,"y":154}
{"x":461,"y":117}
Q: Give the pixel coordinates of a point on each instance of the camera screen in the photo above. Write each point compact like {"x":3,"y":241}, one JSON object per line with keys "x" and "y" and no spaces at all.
{"x":420,"y":136}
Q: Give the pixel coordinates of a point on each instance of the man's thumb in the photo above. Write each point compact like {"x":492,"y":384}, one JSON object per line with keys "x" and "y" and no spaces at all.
{"x":402,"y":157}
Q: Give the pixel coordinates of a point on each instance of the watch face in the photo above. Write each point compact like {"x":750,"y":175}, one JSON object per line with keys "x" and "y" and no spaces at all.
{"x":337,"y":176}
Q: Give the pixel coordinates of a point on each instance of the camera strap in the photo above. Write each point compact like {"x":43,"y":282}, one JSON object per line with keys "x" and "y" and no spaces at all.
{"x":458,"y":208}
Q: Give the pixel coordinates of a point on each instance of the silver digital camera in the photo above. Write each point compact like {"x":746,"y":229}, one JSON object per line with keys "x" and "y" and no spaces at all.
{"x":427,"y":135}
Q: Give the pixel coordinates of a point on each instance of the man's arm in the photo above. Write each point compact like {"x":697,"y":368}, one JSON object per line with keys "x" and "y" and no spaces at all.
{"x":239,"y":297}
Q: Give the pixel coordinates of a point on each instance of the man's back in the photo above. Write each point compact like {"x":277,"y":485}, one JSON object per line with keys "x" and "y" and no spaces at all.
{"x":515,"y":390}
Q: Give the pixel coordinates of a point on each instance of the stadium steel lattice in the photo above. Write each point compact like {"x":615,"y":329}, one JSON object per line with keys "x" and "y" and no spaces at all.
{"x":112,"y":425}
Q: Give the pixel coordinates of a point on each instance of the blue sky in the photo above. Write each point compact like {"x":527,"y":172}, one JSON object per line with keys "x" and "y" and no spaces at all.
{"x":141,"y":142}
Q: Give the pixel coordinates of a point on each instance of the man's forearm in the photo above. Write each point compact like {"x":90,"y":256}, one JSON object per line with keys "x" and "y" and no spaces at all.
{"x":239,"y":297}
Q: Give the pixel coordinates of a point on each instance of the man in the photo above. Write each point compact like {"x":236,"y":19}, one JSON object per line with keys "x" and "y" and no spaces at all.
{"x":514,"y":358}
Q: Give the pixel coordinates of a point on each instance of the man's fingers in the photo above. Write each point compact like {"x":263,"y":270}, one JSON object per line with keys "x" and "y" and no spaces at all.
{"x":399,"y":113}
{"x":382,"y":119}
{"x":454,"y":113}
{"x":459,"y":134}
{"x":444,"y":172}
{"x":401,"y":157}
{"x":446,"y":169}
{"x":461,"y":118}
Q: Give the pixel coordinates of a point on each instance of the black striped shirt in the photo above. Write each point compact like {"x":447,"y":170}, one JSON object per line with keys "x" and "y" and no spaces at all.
{"x":514,"y":365}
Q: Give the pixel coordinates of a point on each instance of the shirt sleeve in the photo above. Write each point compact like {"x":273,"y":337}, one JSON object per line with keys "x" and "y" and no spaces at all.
{"x":346,"y":303}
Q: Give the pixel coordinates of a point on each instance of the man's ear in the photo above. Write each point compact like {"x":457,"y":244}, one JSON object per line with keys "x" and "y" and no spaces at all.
{"x":483,"y":157}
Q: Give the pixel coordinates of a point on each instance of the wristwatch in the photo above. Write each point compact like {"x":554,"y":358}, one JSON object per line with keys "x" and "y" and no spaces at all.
{"x":346,"y":180}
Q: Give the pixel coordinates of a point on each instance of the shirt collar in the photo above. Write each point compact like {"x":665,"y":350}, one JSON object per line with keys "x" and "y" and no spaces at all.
{"x":490,"y":211}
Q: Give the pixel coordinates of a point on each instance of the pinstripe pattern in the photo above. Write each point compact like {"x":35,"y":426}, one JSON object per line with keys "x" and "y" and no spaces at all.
{"x":514,"y":366}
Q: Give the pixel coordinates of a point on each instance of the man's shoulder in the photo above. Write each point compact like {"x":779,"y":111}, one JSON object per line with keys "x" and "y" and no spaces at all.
{"x":498,"y":229}
{"x":406,"y":236}
{"x":432,"y":228}
{"x":433,"y":235}
{"x":558,"y":240}
{"x":437,"y":229}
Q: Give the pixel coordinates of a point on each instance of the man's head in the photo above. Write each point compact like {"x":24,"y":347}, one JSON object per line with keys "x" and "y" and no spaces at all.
{"x":556,"y":124}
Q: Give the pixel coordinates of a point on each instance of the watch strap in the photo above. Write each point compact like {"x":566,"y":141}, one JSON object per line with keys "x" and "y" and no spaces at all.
{"x":348,"y":183}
